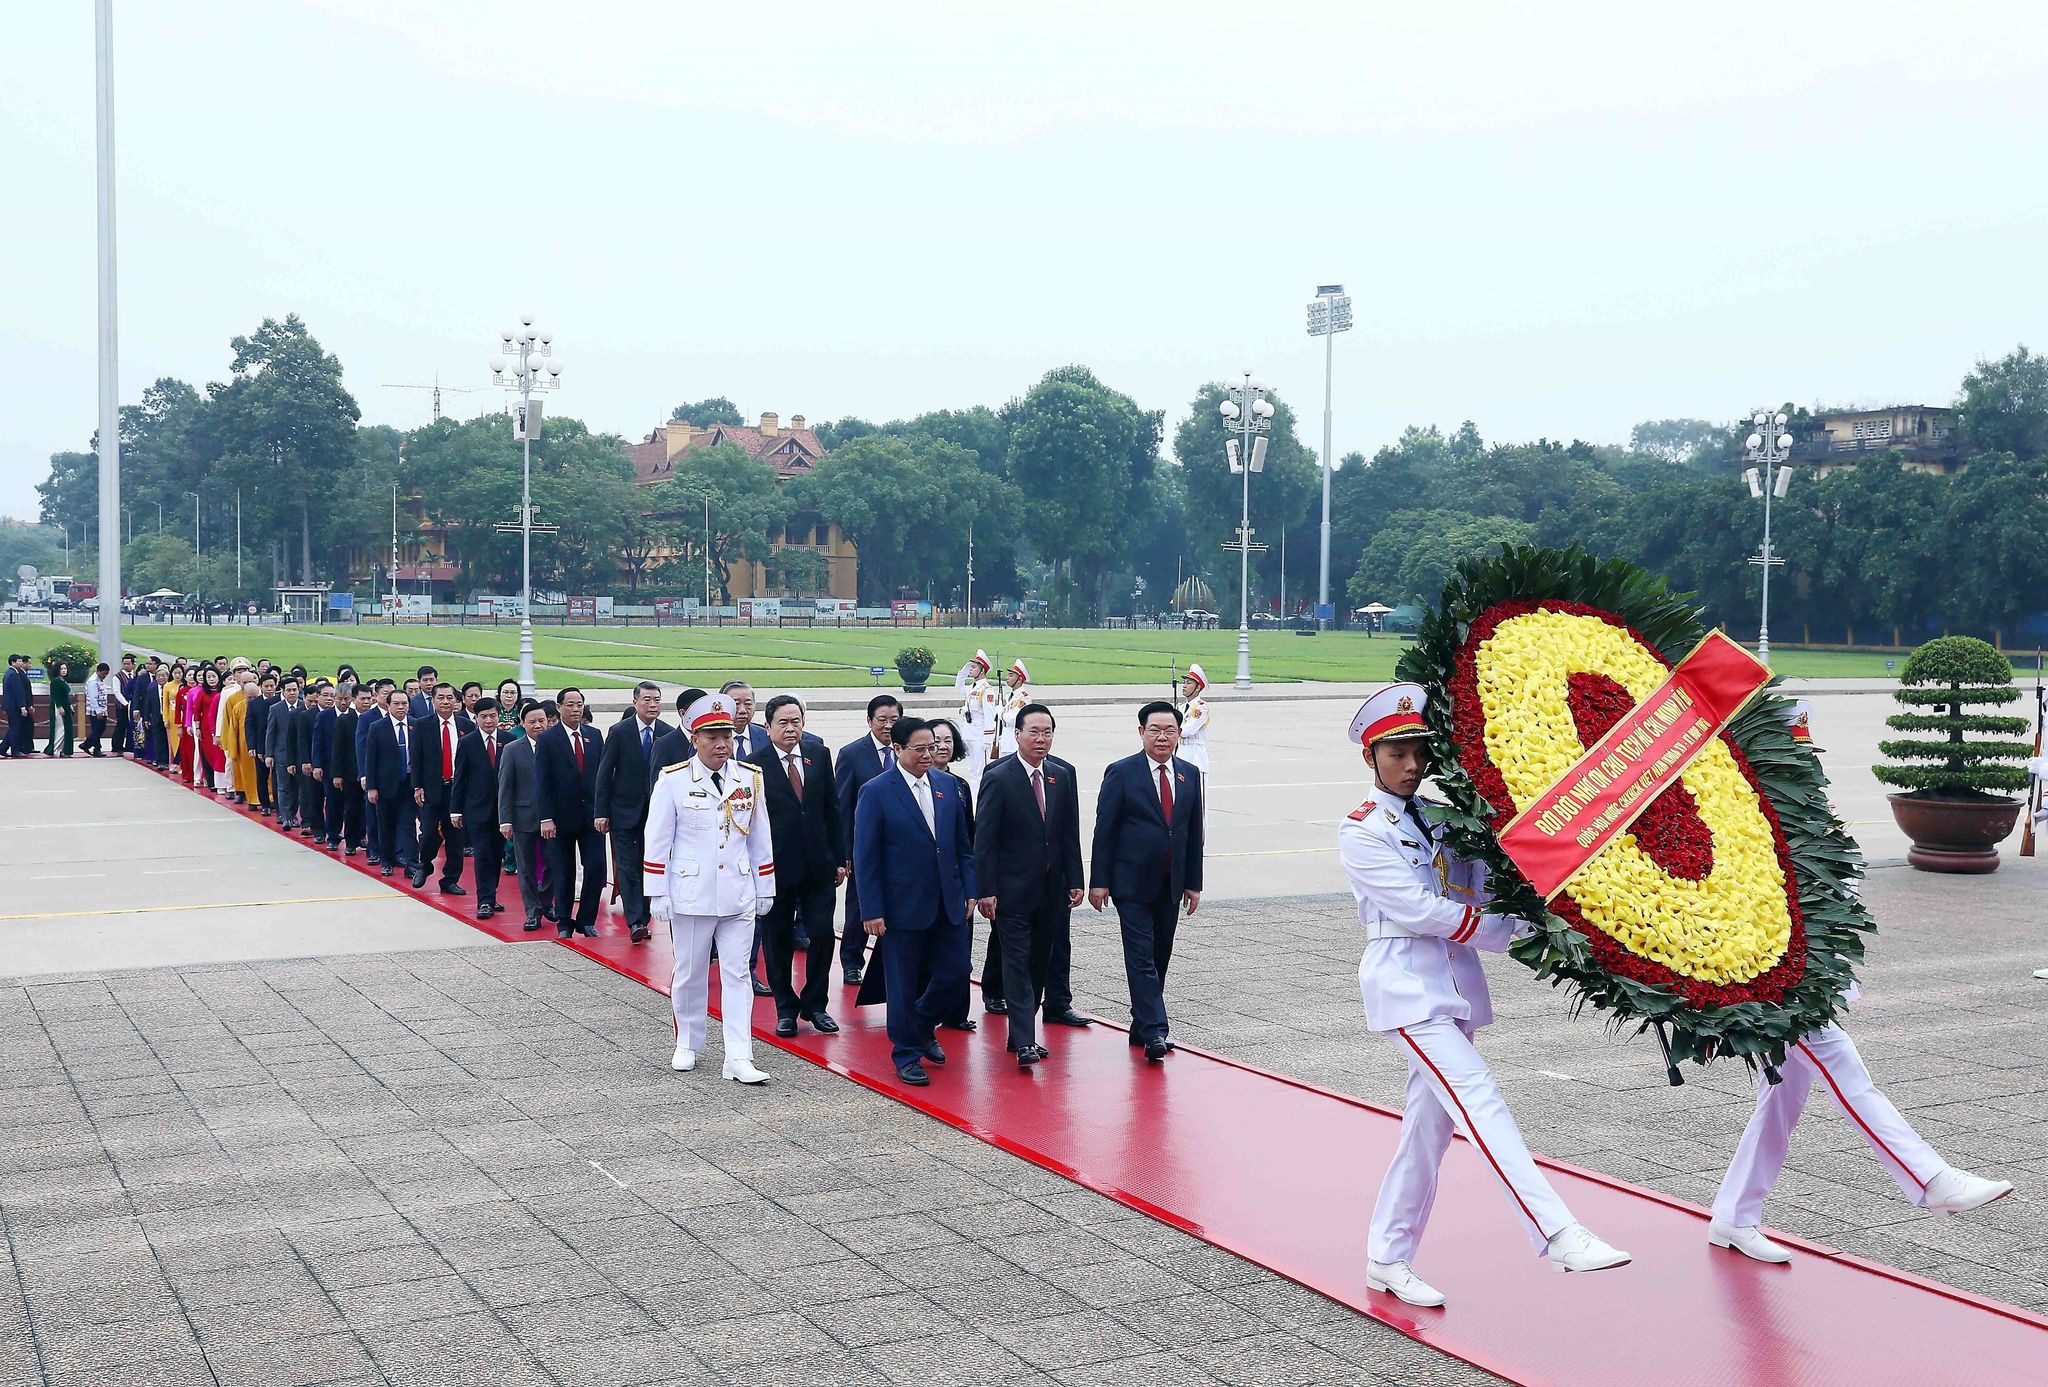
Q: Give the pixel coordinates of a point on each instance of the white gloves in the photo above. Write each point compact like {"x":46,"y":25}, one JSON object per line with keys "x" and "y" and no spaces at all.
{"x":657,"y":906}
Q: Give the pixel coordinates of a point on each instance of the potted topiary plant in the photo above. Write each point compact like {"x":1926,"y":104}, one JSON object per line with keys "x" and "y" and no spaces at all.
{"x":1949,"y":803}
{"x":914,"y":664}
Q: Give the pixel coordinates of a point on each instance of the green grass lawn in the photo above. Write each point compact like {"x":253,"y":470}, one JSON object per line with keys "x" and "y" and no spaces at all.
{"x":798,"y":657}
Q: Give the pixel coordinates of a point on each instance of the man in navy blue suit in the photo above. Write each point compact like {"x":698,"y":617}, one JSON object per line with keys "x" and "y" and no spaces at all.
{"x":387,"y":783}
{"x":748,"y":737}
{"x":858,"y":762}
{"x":21,"y":709}
{"x":915,"y":860}
{"x":433,"y":776}
{"x":568,"y":755}
{"x":1148,"y":859}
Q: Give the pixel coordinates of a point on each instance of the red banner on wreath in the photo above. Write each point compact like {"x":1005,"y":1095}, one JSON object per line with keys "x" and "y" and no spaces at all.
{"x":1594,"y":802}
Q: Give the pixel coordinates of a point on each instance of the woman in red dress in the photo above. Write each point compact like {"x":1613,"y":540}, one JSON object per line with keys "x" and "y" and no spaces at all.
{"x":210,"y":760}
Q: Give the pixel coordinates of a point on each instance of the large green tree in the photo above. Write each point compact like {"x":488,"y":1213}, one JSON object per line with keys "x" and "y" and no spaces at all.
{"x":2004,"y":405}
{"x":738,"y":496}
{"x":907,"y":504}
{"x":705,"y":413}
{"x":1417,"y":550}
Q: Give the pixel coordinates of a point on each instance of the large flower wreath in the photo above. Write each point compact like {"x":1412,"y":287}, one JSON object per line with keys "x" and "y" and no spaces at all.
{"x":1723,"y":913}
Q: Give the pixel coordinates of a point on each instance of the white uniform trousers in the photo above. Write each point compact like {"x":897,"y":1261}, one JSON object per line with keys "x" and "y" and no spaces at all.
{"x":689,"y":994}
{"x":1450,"y":1088}
{"x":1829,"y":1056}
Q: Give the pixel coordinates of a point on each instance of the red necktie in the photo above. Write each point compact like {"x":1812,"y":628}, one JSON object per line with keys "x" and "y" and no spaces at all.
{"x":447,"y":752}
{"x":796,"y":780}
{"x":491,"y":746}
{"x":1038,"y":789}
{"x":576,"y":740}
{"x":1165,"y":797}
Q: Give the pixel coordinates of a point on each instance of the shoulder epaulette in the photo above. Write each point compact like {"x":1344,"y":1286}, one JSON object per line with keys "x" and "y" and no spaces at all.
{"x":1362,"y":810}
{"x":673,"y":766}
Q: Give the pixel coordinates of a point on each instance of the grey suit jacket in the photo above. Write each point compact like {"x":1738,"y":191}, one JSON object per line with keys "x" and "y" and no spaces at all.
{"x":518,"y":787}
{"x":277,"y":733}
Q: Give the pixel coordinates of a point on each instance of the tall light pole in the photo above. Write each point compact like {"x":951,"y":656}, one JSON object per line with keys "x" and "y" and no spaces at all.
{"x":110,"y":375}
{"x":1248,"y":413}
{"x":1768,"y":448}
{"x":1329,"y":313}
{"x":534,"y":366}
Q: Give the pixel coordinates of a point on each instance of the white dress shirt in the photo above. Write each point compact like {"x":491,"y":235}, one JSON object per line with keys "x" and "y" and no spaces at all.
{"x":921,"y":791}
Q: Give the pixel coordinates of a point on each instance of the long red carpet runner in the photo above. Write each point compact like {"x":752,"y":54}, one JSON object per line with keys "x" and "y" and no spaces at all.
{"x":1283,"y":1173}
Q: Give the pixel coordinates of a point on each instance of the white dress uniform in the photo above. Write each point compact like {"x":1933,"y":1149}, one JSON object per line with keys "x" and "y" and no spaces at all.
{"x":710,"y":869}
{"x":1830,"y":1057}
{"x":981,"y":705}
{"x":1194,"y":729}
{"x":1013,"y":702}
{"x":1421,"y":908}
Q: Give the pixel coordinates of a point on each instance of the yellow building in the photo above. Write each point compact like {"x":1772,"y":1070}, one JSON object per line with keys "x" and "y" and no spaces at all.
{"x":1924,"y":437}
{"x":794,"y":451}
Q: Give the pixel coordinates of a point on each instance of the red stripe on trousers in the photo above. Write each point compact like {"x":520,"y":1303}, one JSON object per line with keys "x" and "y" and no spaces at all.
{"x":1472,"y":1129}
{"x":1857,"y":1118}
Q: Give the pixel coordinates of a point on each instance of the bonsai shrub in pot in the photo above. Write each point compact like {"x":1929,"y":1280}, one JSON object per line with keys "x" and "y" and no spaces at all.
{"x":914,"y":664}
{"x":1951,"y":771}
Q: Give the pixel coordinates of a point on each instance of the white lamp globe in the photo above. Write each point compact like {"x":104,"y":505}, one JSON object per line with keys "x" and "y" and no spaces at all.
{"x":1228,"y":409}
{"x":498,"y":365}
{"x":554,"y":364}
{"x":1781,"y":421}
{"x":1754,"y":442}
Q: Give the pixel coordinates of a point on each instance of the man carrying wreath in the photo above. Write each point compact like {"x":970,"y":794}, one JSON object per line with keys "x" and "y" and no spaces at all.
{"x":1423,"y":987}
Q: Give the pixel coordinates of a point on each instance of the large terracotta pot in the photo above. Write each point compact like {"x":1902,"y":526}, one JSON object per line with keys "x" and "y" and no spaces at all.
{"x":1955,"y":835}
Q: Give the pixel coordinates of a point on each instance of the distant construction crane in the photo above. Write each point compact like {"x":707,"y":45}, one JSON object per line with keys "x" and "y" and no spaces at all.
{"x":437,"y":388}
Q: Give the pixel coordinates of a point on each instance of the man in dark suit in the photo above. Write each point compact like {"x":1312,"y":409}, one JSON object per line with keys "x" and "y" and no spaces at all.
{"x":1148,"y":859}
{"x":519,"y":808}
{"x":433,"y":775}
{"x":568,"y":755}
{"x":260,"y":705}
{"x":810,"y":861}
{"x":18,"y":697}
{"x":625,"y":781}
{"x":748,"y":736}
{"x":915,"y":862}
{"x":370,"y":713}
{"x":146,"y":696}
{"x":421,"y":704}
{"x":858,"y":762}
{"x":344,"y":779}
{"x":1027,"y":857}
{"x":120,"y":694}
{"x":322,"y":804}
{"x":298,"y":733}
{"x":674,"y":747}
{"x":387,"y":783}
{"x":473,"y":802}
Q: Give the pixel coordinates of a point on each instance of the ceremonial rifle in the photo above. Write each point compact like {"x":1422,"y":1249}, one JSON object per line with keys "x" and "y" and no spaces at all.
{"x":2034,"y":791}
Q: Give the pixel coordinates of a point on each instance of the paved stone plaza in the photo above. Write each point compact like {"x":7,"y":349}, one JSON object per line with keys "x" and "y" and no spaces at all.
{"x":471,"y":1164}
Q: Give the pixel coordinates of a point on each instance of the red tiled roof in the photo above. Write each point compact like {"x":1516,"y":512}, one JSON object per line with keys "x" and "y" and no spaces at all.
{"x":790,"y":450}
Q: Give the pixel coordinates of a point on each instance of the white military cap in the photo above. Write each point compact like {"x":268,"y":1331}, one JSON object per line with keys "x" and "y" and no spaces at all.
{"x":711,"y":713}
{"x":1195,"y":673}
{"x":1392,"y":714}
{"x":1800,"y":721}
{"x":981,"y":658}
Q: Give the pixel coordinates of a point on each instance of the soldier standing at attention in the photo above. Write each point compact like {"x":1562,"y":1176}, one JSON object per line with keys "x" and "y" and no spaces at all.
{"x":1017,"y":693}
{"x":981,"y":706}
{"x":1194,"y":725}
{"x":710,"y":871}
{"x":1424,"y":989}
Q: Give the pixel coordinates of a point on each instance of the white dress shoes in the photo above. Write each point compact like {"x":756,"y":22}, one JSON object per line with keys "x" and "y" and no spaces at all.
{"x":1399,"y":1280}
{"x":1750,"y":1242}
{"x":1576,"y":1249}
{"x":1957,"y":1192}
{"x":743,"y":1071}
{"x":685,"y":1060}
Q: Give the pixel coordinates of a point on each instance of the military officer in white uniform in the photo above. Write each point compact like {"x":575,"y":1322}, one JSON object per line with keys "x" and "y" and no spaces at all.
{"x":1194,"y":725}
{"x":981,"y":705}
{"x":1422,"y":912}
{"x":1830,"y":1056}
{"x":1015,"y":697}
{"x":710,"y":870}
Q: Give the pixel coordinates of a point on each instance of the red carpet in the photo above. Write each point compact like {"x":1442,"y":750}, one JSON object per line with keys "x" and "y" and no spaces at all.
{"x":1283,"y":1174}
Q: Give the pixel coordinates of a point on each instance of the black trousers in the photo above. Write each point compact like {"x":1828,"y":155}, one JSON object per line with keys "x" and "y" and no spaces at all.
{"x":124,"y":736}
{"x":1148,"y":928}
{"x":392,"y":825}
{"x":345,"y":814}
{"x":1027,"y":939}
{"x":629,"y":847}
{"x":526,"y":857}
{"x":437,"y":828}
{"x":563,"y":850}
{"x":1056,"y":984}
{"x":95,"y":728}
{"x":312,"y":803}
{"x":777,"y":933}
{"x":264,"y":798}
{"x":490,"y":847}
{"x":853,"y":941}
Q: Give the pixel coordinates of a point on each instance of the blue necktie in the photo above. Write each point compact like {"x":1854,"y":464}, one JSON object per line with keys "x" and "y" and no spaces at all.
{"x":647,"y":742}
{"x":404,"y":761}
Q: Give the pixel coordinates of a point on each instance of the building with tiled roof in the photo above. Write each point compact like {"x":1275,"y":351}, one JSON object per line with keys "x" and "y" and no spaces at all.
{"x":793,"y":451}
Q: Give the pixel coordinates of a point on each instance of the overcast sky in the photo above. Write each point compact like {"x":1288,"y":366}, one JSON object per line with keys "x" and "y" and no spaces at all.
{"x":1555,"y":220}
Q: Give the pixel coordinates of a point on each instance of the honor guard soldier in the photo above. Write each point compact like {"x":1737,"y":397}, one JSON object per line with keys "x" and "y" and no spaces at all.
{"x":1014,"y":698}
{"x":710,"y":870}
{"x":981,"y":707}
{"x":1194,"y":725}
{"x":1421,"y":907}
{"x":1830,"y":1056}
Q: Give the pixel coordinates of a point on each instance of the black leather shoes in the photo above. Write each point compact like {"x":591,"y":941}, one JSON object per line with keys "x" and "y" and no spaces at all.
{"x":1069,"y":1017}
{"x":639,"y":935}
{"x":914,"y":1075}
{"x":1156,"y":1049}
{"x":785,"y":1025}
{"x":531,"y":925}
{"x":587,"y":931}
{"x":853,"y":976}
{"x":1138,"y":1044}
{"x":762,"y":989}
{"x":935,"y":1052}
{"x":453,"y":888}
{"x":965,"y":1023}
{"x":387,"y":871}
{"x":822,"y":1022}
{"x":484,"y":910}
{"x":419,"y":879}
{"x":1030,"y":1055}
{"x":996,"y":1006}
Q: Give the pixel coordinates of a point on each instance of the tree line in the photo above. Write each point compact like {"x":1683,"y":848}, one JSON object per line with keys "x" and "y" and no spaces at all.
{"x":1070,"y":492}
